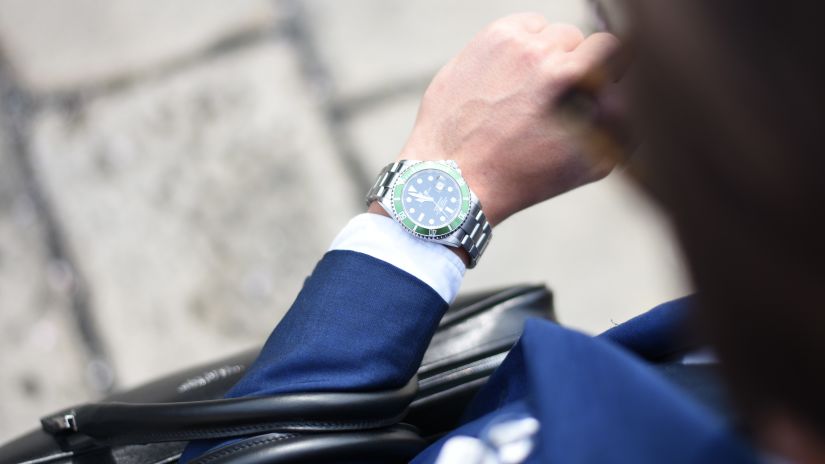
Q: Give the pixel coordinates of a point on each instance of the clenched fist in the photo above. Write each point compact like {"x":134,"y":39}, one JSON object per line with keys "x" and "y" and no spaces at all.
{"x":490,"y":109}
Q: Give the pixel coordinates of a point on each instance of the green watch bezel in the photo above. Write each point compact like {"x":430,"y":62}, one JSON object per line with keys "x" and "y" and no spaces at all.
{"x":426,"y":232}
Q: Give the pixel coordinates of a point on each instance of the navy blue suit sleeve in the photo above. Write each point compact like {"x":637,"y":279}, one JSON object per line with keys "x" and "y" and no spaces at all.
{"x":358,"y":324}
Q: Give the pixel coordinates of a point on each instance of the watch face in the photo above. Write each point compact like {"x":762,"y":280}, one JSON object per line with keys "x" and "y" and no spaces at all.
{"x":431,"y":198}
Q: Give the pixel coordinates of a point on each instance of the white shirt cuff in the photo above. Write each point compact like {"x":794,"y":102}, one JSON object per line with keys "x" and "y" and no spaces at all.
{"x":382,"y":238}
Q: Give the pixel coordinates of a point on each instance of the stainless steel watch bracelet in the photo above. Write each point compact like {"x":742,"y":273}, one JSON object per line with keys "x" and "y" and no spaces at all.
{"x":474,"y":233}
{"x":384,"y":181}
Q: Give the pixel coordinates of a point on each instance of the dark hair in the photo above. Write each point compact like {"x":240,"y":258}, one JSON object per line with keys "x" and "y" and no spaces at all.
{"x":734,"y":152}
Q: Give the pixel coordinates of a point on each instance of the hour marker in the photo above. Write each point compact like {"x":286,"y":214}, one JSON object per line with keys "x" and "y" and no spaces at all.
{"x":409,"y":200}
{"x":419,"y":180}
{"x":431,"y":221}
{"x":449,"y":189}
{"x":412,"y":210}
{"x":412,"y":189}
{"x":453,"y":200}
{"x":439,"y":186}
{"x":430,"y":178}
{"x":420,"y":217}
{"x":442,"y":219}
{"x":449,"y":210}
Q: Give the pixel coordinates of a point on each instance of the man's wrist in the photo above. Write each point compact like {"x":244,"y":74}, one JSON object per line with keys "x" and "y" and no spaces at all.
{"x":375,"y":208}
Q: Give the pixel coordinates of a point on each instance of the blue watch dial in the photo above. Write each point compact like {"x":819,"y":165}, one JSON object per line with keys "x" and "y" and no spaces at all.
{"x":431,"y":199}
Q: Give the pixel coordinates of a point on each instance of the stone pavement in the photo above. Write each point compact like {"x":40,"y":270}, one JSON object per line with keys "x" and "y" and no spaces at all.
{"x":170,"y":172}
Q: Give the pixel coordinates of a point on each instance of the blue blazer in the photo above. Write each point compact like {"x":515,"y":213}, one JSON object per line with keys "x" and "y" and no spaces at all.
{"x":361,"y":324}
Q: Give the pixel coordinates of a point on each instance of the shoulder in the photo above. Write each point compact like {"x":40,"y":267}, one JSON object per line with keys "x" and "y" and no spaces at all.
{"x":607,"y":405}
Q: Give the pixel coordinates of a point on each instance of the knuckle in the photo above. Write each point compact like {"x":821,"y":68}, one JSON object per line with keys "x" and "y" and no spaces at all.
{"x":502,"y":32}
{"x":607,"y":40}
{"x":566,"y":71}
{"x":570,"y":32}
{"x":533,"y":52}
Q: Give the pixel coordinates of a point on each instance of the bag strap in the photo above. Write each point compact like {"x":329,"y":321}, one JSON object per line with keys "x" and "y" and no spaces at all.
{"x":399,"y":443}
{"x":106,"y":424}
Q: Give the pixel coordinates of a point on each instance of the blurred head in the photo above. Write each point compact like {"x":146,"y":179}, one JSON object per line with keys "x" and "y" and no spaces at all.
{"x":727,"y":97}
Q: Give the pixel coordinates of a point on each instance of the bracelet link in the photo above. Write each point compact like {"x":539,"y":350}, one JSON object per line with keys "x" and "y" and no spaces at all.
{"x":384,"y":181}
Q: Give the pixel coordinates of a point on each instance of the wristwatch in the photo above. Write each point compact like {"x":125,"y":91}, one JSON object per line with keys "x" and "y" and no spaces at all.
{"x":433,"y":202}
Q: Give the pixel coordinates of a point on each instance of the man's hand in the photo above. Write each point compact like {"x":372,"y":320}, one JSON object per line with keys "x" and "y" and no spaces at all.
{"x":490,"y":109}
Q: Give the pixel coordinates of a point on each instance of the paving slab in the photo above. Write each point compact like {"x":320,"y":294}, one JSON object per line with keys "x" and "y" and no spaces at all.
{"x":57,"y":45}
{"x":604,"y":249}
{"x":41,"y":358}
{"x":370,"y":44}
{"x":196,"y":204}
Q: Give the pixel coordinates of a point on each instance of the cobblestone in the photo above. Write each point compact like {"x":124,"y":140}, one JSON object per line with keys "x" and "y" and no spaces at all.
{"x":41,"y":359}
{"x":56,"y":45}
{"x":198,"y":204}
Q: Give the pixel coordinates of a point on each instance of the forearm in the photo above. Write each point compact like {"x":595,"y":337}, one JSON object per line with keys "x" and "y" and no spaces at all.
{"x":360,"y":322}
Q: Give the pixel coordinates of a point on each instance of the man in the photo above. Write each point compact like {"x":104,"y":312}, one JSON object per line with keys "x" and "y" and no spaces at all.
{"x":364,"y":317}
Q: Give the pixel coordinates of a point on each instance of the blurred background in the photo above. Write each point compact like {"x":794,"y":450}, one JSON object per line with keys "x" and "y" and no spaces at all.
{"x":170,"y":171}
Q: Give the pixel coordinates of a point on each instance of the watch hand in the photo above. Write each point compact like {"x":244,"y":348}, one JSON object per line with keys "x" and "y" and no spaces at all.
{"x":421,"y":197}
{"x":436,"y":205}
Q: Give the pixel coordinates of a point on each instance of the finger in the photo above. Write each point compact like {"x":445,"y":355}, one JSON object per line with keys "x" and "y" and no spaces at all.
{"x":530,"y":22}
{"x":562,"y":37}
{"x":595,"y":50}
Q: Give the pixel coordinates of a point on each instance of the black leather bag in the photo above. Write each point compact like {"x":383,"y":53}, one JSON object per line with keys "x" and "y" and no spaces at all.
{"x":151,"y":424}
